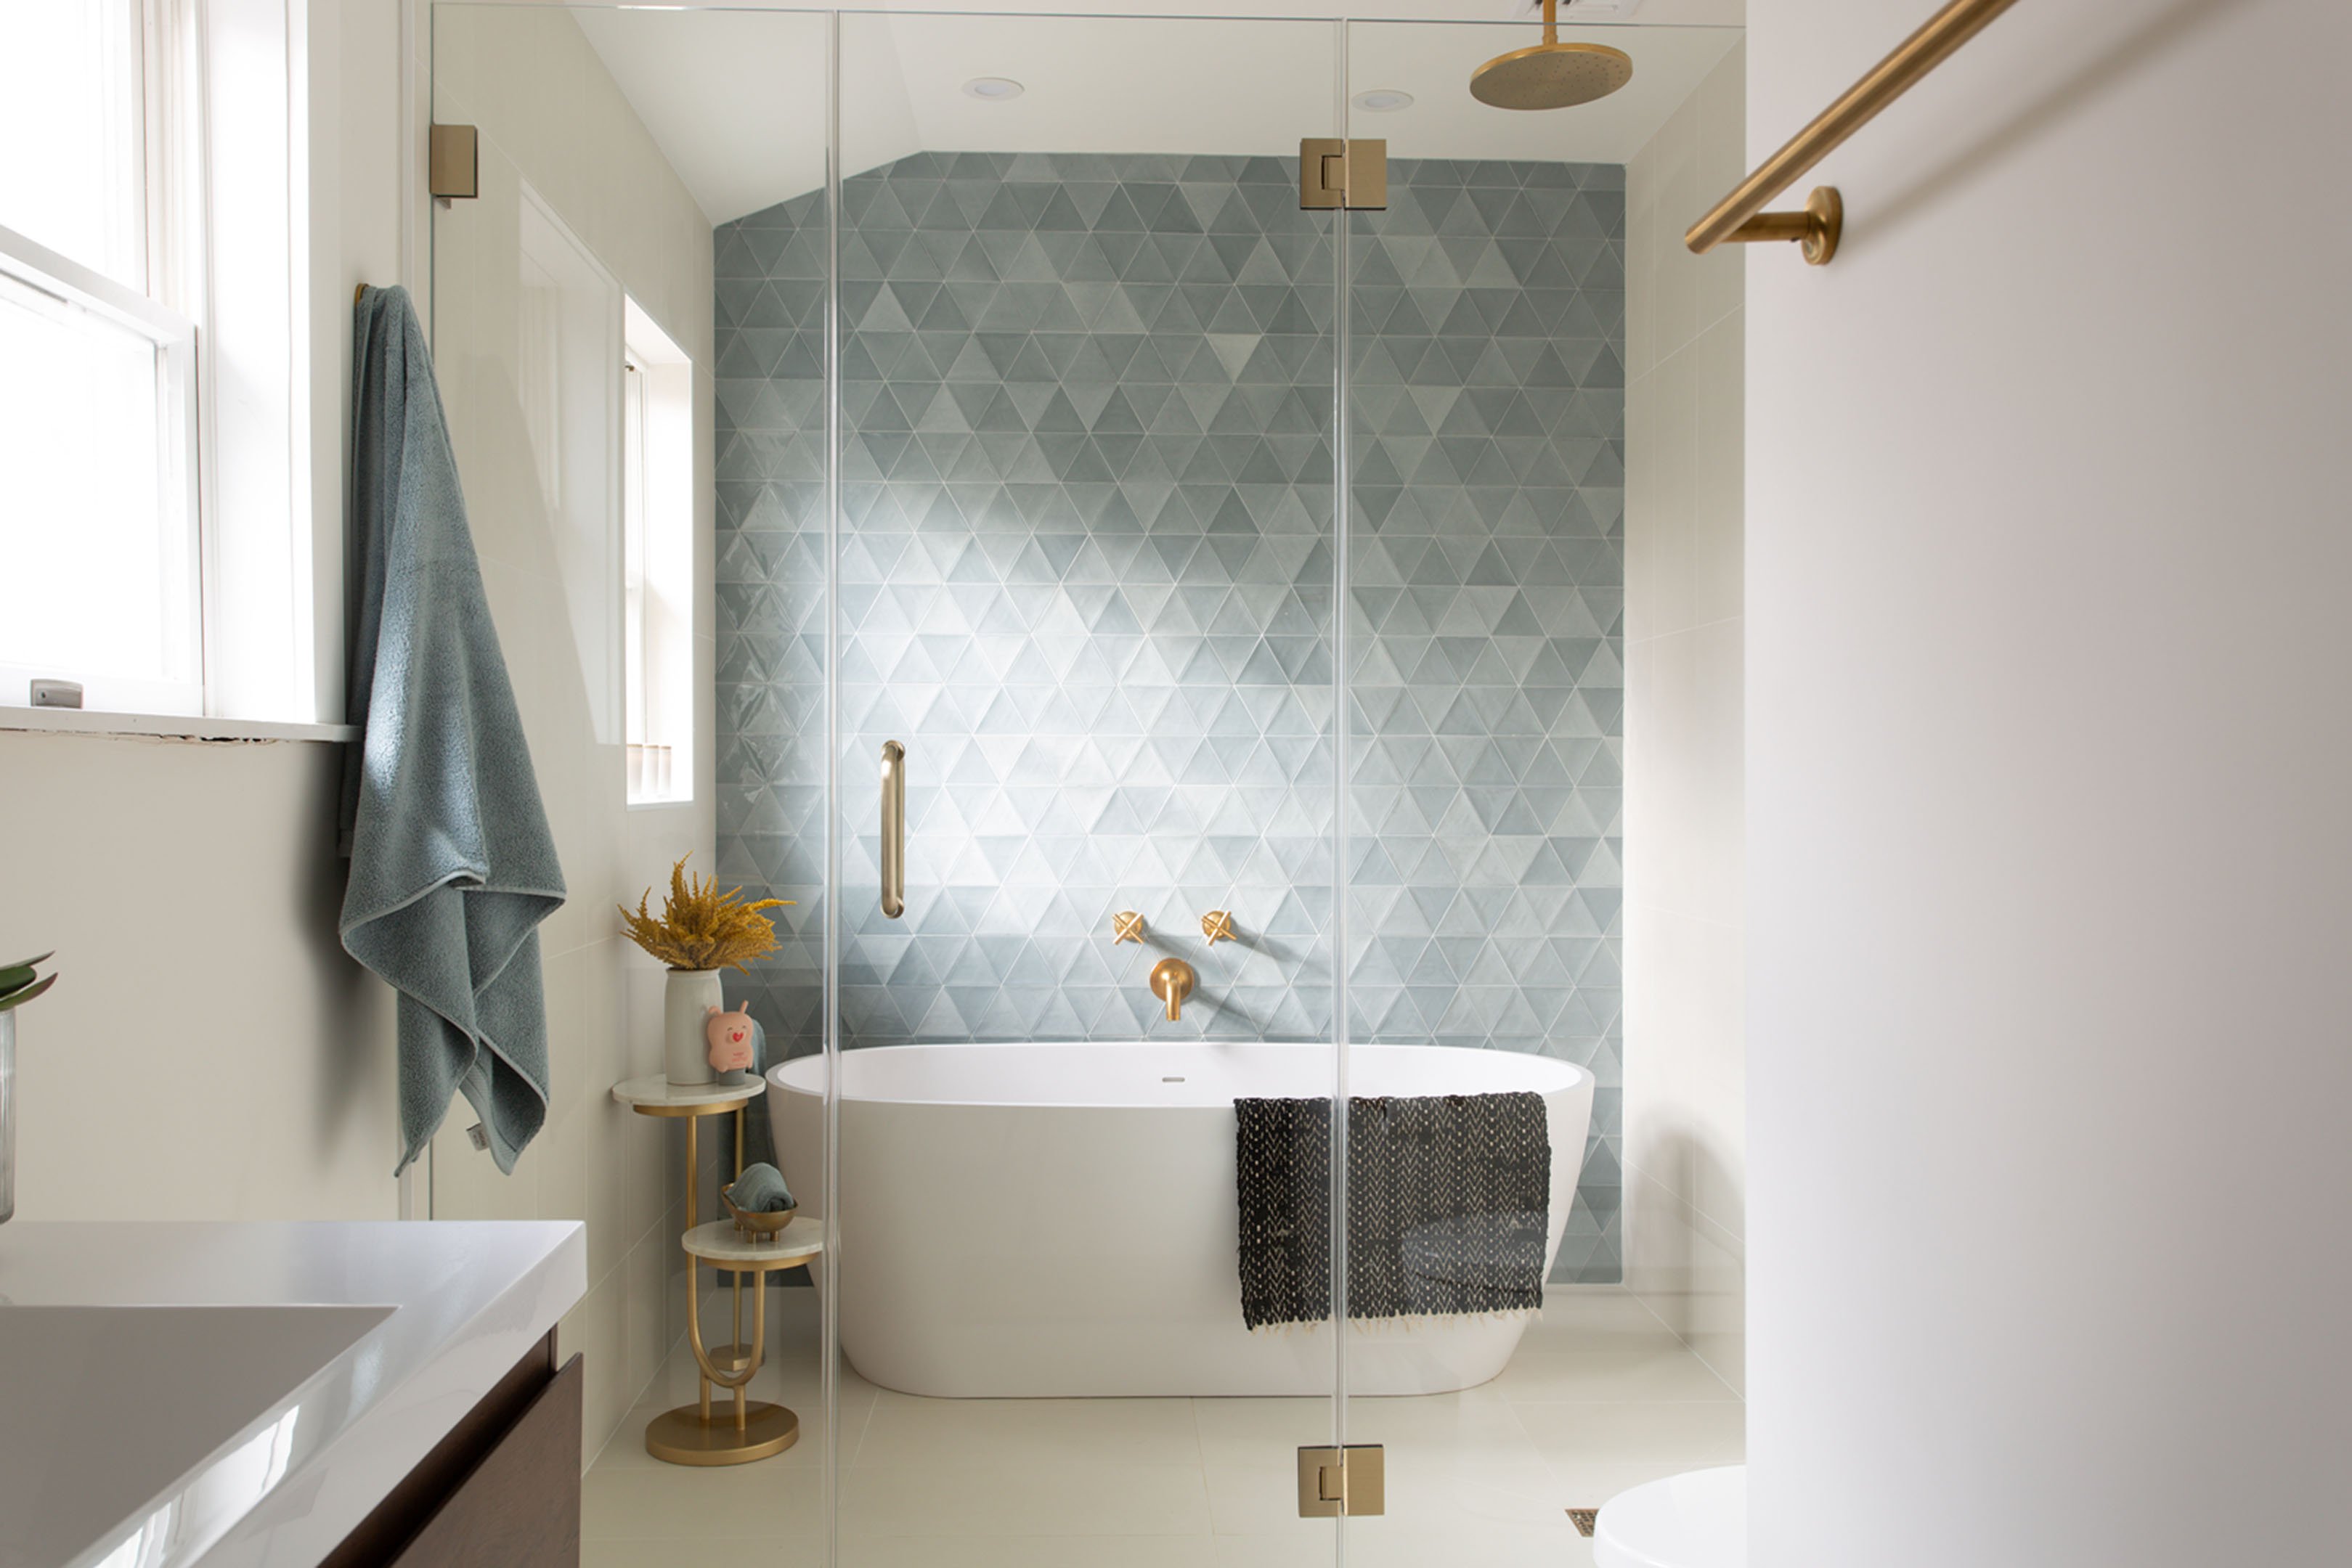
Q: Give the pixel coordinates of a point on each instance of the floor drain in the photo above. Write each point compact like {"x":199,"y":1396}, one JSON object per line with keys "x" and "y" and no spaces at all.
{"x":1583,"y":1518}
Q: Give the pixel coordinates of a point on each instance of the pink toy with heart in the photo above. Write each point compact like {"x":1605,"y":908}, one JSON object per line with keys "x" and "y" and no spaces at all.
{"x":729,"y":1034}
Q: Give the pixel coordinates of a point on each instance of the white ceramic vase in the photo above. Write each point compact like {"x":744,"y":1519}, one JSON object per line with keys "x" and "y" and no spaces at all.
{"x":686,"y":1003}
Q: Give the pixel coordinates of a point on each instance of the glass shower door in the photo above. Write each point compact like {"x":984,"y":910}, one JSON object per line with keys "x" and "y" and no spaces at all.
{"x":602,"y":248}
{"x":1085,"y":583}
{"x":1486,"y":588}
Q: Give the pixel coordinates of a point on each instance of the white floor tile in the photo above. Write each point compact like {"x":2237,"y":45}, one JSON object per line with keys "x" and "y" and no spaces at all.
{"x":1260,"y":1431}
{"x":1601,"y":1398}
{"x":1032,"y":1552}
{"x":1256,"y":1499}
{"x":1626,"y":1370}
{"x":992,"y":1496}
{"x":1687,"y":1434}
{"x":1382,"y":1543}
{"x":938,"y":1433}
{"x":686,"y":1502}
{"x":1310,"y":1544}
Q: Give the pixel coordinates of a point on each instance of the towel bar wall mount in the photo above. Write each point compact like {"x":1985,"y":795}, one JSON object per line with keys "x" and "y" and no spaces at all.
{"x":1741,"y":218}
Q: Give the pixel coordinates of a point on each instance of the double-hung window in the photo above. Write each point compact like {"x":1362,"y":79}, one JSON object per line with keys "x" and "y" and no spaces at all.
{"x":101,"y":559}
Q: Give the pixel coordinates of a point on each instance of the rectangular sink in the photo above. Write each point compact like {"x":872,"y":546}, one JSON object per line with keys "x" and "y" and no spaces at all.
{"x":108,"y":1406}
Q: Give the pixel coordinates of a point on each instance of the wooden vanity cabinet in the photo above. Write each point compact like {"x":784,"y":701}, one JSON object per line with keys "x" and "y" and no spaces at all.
{"x":501,"y":1490}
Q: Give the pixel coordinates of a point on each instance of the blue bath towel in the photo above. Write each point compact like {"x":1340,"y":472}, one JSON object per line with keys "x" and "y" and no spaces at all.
{"x":761,"y":1189}
{"x":453,"y":866}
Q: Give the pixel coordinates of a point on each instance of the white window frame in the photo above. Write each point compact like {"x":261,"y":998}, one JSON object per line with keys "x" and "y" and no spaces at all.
{"x":167,"y":53}
{"x":79,"y":288}
{"x":657,"y":563}
{"x":231,"y":269}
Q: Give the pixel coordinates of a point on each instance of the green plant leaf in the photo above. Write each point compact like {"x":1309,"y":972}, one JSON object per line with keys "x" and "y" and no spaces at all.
{"x":17,"y":998}
{"x":27,"y":963}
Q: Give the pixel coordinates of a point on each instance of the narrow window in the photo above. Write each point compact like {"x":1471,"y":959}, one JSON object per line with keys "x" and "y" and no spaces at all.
{"x":657,"y":548}
{"x":100,"y":579}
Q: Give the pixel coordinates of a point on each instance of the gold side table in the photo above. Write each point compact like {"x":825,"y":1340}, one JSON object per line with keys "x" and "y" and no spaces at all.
{"x":655,"y":1096}
{"x":754,"y":1428}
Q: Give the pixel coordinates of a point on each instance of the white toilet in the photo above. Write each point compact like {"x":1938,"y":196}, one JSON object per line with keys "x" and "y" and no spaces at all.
{"x":1699,"y":1520}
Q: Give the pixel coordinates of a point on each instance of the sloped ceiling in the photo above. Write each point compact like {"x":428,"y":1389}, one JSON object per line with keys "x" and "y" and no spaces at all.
{"x":736,"y":99}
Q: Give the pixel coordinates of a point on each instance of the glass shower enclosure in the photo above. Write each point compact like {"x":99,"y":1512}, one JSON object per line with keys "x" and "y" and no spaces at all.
{"x":1162,"y":487}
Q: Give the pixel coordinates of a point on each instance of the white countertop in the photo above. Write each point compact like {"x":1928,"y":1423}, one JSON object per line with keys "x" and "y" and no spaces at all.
{"x":323,"y":1411}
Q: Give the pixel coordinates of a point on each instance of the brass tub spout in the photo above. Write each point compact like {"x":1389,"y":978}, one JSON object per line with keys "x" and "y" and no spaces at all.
{"x":1171,"y":982}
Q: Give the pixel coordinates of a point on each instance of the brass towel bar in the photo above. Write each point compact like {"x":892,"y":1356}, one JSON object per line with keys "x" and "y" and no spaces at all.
{"x":1740,"y":217}
{"x":894,"y":830}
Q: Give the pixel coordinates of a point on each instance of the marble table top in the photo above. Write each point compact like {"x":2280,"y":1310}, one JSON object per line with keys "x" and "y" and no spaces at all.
{"x":719,"y":1242}
{"x":656,"y":1095}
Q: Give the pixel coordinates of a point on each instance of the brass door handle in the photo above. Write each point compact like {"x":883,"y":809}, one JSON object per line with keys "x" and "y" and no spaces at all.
{"x":894,"y":828}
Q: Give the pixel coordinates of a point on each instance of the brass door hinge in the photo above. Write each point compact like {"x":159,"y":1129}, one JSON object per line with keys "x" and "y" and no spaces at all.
{"x":1336,"y":173}
{"x":453,"y":166}
{"x":1352,"y":1481}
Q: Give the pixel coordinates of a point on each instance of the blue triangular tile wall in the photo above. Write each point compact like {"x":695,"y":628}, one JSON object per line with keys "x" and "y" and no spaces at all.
{"x":1086,"y":577}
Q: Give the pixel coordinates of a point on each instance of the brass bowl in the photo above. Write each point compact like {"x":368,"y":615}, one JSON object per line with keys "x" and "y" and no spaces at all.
{"x":764,"y":1227}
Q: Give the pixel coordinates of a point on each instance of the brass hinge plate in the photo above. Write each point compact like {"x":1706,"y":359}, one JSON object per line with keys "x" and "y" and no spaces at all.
{"x":1336,"y":173}
{"x":453,"y":168}
{"x":1352,"y":1481}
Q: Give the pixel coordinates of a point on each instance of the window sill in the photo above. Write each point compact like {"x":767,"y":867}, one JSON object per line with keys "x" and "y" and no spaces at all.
{"x":168,"y":726}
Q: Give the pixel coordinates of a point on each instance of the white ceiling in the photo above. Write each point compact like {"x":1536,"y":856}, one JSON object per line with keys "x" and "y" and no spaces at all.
{"x":736,"y":98}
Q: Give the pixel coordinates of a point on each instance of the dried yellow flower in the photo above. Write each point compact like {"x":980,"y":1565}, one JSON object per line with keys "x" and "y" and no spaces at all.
{"x":700,"y":927}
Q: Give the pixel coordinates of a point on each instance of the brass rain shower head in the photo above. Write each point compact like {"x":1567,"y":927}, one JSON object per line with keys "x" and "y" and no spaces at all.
{"x":1551,"y":74}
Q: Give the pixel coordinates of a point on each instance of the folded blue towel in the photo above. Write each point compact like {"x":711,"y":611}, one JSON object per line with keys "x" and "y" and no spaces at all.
{"x":761,"y":1189}
{"x":453,"y":866}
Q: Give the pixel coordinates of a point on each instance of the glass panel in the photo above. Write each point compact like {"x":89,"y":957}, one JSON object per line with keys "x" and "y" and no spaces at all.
{"x":1086,"y":578}
{"x":652,"y":187}
{"x":96,"y":580}
{"x":72,"y":151}
{"x":1485,"y":398}
{"x":1037,"y":482}
{"x":658,"y":473}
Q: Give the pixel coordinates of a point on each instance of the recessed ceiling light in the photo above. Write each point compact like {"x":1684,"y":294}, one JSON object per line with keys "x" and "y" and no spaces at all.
{"x":1383,"y":100}
{"x":993,"y":88}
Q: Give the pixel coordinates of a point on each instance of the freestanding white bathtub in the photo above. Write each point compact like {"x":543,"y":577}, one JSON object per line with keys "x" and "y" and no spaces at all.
{"x":1060,"y":1220}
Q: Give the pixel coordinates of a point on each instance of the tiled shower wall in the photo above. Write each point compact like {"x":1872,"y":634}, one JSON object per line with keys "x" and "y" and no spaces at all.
{"x":1086,"y":577}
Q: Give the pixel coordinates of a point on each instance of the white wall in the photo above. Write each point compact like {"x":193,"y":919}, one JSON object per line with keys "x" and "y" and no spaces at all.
{"x":1685,"y":1159}
{"x":550,"y":115}
{"x":208,"y":1052}
{"x":2048,"y":837}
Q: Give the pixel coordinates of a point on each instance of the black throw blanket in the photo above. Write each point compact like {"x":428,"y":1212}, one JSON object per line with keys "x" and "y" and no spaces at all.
{"x":1449,"y":1200}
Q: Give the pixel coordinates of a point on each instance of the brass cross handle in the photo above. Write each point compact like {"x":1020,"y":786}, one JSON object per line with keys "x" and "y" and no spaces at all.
{"x":1127,"y":925}
{"x":1217,"y":927}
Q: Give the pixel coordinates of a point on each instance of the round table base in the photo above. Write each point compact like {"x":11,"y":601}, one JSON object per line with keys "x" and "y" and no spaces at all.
{"x":683,"y":1437}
